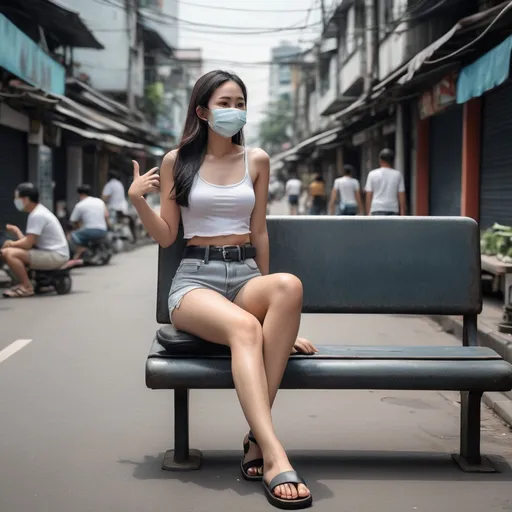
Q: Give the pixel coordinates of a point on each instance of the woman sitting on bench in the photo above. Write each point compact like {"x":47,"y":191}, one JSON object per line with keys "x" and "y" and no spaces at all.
{"x":222,"y":291}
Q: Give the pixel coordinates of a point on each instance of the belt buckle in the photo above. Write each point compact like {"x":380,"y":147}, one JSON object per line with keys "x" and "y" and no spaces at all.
{"x":225,"y":252}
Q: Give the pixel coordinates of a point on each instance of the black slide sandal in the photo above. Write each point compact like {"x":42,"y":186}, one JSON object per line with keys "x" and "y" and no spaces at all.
{"x":244,"y":468}
{"x":288,"y":477}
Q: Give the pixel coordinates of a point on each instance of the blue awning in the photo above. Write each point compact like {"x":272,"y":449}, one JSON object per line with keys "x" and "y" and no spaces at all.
{"x":486,"y":73}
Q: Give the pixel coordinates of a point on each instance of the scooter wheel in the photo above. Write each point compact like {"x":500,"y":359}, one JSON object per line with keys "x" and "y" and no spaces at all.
{"x":63,"y":285}
{"x":105,"y":259}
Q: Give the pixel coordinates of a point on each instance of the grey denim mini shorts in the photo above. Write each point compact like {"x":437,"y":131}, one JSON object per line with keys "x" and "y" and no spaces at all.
{"x":224,"y":277}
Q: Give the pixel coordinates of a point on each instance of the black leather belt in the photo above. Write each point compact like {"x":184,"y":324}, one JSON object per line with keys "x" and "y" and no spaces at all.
{"x":220,"y":253}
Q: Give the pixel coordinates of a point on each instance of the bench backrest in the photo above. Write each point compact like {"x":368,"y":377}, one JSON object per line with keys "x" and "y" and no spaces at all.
{"x":407,"y":265}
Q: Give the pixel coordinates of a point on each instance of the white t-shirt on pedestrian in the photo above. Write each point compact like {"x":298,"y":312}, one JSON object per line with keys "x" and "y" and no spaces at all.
{"x":90,"y":212}
{"x":117,"y":200}
{"x":347,"y":187}
{"x":385,"y":184}
{"x":45,"y":225}
{"x":293,"y":187}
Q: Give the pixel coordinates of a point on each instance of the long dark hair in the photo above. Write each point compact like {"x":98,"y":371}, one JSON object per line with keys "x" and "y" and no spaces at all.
{"x":192,"y":148}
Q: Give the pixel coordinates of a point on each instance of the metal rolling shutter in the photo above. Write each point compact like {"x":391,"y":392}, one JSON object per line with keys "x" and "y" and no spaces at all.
{"x":496,"y":161}
{"x":446,"y":162}
{"x":13,"y":171}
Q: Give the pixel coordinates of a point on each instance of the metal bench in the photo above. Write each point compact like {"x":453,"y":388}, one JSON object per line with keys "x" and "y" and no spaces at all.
{"x":409,"y":265}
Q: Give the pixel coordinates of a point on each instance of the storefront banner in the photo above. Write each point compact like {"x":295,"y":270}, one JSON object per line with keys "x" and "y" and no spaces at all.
{"x":441,"y":96}
{"x":24,"y":58}
{"x":486,"y":73}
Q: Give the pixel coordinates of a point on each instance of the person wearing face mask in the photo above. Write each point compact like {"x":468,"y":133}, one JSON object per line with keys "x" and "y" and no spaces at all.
{"x":223,"y":291}
{"x":42,"y":247}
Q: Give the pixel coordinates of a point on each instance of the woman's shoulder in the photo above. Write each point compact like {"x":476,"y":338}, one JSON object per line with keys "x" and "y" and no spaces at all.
{"x":171,"y":156}
{"x":258,"y":155}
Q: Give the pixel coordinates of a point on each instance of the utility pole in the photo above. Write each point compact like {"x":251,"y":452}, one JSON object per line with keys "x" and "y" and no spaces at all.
{"x":131,"y":26}
{"x":372,"y":43}
{"x":322,"y":7}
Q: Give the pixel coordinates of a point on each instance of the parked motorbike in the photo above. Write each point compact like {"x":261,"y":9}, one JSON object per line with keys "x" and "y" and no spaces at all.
{"x":46,"y":280}
{"x":99,"y":252}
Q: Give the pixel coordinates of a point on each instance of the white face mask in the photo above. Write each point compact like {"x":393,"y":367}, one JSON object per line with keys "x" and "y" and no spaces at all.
{"x":18,"y":202}
{"x":227,"y":121}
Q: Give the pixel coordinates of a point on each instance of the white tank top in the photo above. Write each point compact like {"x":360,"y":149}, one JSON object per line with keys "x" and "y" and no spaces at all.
{"x":217,"y":210}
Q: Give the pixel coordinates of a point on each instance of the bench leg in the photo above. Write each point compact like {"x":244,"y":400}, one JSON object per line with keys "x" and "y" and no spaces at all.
{"x":470,"y":460}
{"x":182,"y":458}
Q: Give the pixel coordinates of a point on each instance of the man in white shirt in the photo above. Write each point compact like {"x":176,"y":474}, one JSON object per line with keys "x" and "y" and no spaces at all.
{"x":346,"y":189}
{"x":43,"y":247}
{"x":115,"y":198}
{"x":385,"y":189}
{"x":293,"y":191}
{"x":113,"y":194}
{"x":90,"y":214}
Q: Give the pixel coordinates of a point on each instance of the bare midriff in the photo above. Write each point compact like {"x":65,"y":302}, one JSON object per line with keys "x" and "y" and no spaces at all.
{"x":220,"y":240}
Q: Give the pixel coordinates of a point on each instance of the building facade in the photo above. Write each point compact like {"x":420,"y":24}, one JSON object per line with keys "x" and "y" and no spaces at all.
{"x":400,"y":87}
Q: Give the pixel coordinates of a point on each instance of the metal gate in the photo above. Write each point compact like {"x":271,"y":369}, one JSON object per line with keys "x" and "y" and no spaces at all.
{"x":13,"y":171}
{"x":496,"y":161}
{"x":446,"y":162}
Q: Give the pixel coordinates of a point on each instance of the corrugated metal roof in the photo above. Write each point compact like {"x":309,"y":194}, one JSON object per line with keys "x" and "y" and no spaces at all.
{"x":104,"y":137}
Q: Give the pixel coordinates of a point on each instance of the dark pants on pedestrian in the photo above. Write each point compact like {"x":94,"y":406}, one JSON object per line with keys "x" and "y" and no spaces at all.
{"x":348,"y":209}
{"x":318,"y":206}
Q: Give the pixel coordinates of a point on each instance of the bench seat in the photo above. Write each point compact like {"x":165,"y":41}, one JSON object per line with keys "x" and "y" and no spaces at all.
{"x":353,"y":265}
{"x":179,"y":360}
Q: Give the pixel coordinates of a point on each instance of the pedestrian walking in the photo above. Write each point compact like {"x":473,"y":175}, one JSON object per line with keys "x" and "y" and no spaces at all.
{"x":346,"y":194}
{"x":385,"y":189}
{"x":293,"y":191}
{"x":317,"y":196}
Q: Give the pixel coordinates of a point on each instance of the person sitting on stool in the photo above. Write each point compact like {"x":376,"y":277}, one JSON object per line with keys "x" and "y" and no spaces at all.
{"x":43,"y":247}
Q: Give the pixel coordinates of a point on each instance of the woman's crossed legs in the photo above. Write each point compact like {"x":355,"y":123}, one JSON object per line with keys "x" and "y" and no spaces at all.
{"x":260,"y":328}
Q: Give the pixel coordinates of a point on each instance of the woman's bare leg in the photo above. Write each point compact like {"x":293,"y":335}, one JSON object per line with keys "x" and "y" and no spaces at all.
{"x":210,"y":316}
{"x":276,"y":301}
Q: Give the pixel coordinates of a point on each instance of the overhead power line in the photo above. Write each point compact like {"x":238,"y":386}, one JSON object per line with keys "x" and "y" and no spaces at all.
{"x":239,"y":9}
{"x":216,"y":29}
{"x":471,"y":43}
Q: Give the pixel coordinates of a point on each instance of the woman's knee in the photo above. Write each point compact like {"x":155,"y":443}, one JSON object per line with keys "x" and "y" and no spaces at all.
{"x":289,"y":286}
{"x":246,"y":331}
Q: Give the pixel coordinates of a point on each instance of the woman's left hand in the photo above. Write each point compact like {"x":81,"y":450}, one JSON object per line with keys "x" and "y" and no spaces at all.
{"x":303,"y":346}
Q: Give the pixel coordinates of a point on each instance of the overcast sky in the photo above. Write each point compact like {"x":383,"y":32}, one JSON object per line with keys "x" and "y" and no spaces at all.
{"x":224,"y":51}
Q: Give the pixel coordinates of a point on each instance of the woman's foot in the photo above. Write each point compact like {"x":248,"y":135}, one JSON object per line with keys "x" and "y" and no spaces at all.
{"x":252,"y":462}
{"x":286,"y":491}
{"x":303,"y":346}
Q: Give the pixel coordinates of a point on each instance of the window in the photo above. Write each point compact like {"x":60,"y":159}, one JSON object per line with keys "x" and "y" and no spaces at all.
{"x":388,"y":12}
{"x":285,"y":74}
{"x":325,"y":76}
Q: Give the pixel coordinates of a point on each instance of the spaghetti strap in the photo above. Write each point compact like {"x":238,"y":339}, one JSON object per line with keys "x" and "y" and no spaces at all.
{"x":246,"y":160}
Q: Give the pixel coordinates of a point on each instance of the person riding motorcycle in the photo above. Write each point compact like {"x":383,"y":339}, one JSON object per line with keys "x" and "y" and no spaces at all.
{"x":91,"y":215}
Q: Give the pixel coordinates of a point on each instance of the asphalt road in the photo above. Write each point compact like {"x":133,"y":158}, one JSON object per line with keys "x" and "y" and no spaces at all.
{"x":81,"y":433}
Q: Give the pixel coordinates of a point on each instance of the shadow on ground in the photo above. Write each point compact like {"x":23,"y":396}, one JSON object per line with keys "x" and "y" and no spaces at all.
{"x":219,"y":470}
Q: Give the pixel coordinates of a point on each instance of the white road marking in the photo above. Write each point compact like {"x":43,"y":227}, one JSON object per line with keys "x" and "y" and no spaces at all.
{"x":12,"y":349}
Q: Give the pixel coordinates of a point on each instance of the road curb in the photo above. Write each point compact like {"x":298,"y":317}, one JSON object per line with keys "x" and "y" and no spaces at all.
{"x":500,"y":403}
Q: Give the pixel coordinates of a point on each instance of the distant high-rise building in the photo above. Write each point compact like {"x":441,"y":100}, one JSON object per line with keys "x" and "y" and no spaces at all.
{"x":281,"y":83}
